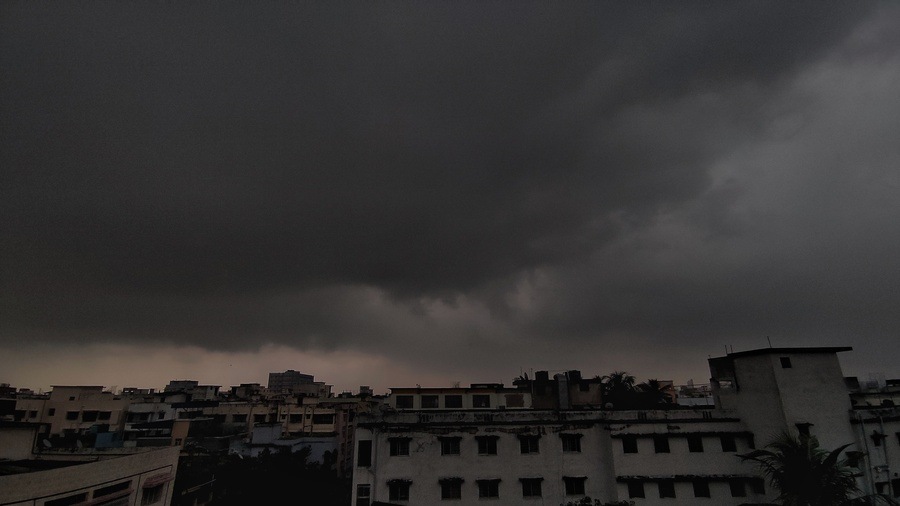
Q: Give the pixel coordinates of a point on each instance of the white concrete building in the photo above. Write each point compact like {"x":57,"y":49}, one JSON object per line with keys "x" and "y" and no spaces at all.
{"x":416,"y":452}
{"x":89,"y":477}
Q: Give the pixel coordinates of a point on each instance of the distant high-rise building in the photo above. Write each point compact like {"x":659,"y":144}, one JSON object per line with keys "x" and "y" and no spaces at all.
{"x":288,"y":380}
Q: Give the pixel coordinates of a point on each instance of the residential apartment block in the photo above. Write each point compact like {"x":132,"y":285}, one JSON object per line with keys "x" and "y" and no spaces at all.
{"x":551,"y":441}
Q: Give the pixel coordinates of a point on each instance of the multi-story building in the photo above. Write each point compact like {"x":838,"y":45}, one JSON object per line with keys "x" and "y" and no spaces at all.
{"x":38,"y":474}
{"x":419,"y":449}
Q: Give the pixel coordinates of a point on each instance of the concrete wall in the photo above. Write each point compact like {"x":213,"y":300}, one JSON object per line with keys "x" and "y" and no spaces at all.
{"x":141,"y":469}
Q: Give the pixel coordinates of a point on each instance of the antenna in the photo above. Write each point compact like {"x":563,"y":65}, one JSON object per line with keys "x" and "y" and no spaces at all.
{"x":770,"y":341}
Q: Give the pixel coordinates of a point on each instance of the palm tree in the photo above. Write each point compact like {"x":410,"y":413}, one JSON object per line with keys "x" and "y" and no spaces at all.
{"x":618,"y":389}
{"x":656,"y":392}
{"x":804,"y":474}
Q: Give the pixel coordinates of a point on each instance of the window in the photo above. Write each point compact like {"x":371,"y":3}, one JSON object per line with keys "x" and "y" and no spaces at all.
{"x":399,"y":446}
{"x":449,"y":445}
{"x":51,"y":411}
{"x":259,"y":418}
{"x":751,"y":442}
{"x":364,"y":453}
{"x":488,"y":488}
{"x":574,"y":484}
{"x":106,"y":415}
{"x":695,"y":444}
{"x":404,"y":402}
{"x":737,"y":488}
{"x":895,"y":484}
{"x":701,"y":488}
{"x":112,"y":489}
{"x":666,"y":488}
{"x":363,"y":493}
{"x":152,"y":495}
{"x":71,"y":415}
{"x":629,"y":444}
{"x":481,"y":401}
{"x":758,"y":486}
{"x":803,"y":428}
{"x":323,"y":419}
{"x":451,"y":488}
{"x":239,"y":418}
{"x":571,"y":442}
{"x":661,"y":444}
{"x":515,"y":401}
{"x":728,"y":443}
{"x":635,"y":489}
{"x":32,"y":414}
{"x":295,"y":418}
{"x":785,"y":362}
{"x":452,"y":401}
{"x":398,"y":490}
{"x":429,"y":401}
{"x":529,"y":444}
{"x":531,"y":487}
{"x":66,"y":501}
{"x":487,"y":445}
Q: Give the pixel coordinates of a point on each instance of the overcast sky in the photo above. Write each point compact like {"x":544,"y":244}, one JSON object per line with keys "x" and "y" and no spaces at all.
{"x":401,"y":193}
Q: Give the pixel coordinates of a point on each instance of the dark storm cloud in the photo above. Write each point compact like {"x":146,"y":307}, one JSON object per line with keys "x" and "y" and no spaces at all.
{"x":205,"y":172}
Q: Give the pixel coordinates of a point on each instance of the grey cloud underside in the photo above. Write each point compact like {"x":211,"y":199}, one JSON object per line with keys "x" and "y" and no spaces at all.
{"x":206,"y":174}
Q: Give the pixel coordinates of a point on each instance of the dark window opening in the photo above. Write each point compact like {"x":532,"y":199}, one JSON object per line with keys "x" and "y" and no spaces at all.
{"x":529,"y":444}
{"x":695,"y":444}
{"x":531,"y":487}
{"x":450,"y":445}
{"x":364,"y":453}
{"x":399,"y":446}
{"x":481,"y":401}
{"x":451,"y":488}
{"x":738,"y":489}
{"x":661,"y":444}
{"x":488,"y":488}
{"x":571,"y":443}
{"x":803,"y":428}
{"x":758,"y":486}
{"x":728,"y":443}
{"x":71,"y":415}
{"x":398,"y":490}
{"x":112,"y":489}
{"x":629,"y":444}
{"x":487,"y":445}
{"x":429,"y":401}
{"x":785,"y":362}
{"x":666,"y":488}
{"x":66,"y":501}
{"x":452,"y":401}
{"x":363,"y":493}
{"x":635,"y":489}
{"x":701,"y":488}
{"x":574,"y":484}
{"x":404,"y":402}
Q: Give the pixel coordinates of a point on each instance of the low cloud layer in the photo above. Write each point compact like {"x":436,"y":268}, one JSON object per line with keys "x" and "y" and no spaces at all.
{"x":418,"y":181}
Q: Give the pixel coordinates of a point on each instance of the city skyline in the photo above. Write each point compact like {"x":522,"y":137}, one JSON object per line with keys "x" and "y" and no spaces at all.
{"x":391,"y":194}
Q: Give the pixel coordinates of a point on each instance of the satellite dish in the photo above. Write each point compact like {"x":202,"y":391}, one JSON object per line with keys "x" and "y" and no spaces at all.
{"x":47,"y":443}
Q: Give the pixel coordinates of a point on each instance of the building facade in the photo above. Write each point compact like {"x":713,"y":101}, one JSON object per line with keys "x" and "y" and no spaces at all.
{"x":420,"y":450}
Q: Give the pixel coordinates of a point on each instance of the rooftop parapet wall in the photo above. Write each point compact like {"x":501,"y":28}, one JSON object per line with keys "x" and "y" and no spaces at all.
{"x":524,"y":417}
